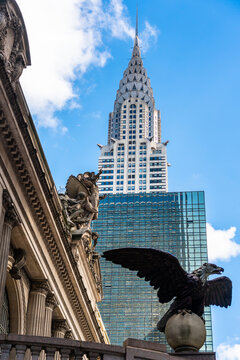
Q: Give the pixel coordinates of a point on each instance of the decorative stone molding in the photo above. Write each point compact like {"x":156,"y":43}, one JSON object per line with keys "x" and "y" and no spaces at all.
{"x":19,"y":261}
{"x":13,"y":42}
{"x":59,"y":328}
{"x":51,"y":301}
{"x":11,"y":259}
{"x":60,"y":325}
{"x":69,"y":334}
{"x":11,"y":216}
{"x":87,"y":239}
{"x":10,"y":263}
{"x":40,"y":286}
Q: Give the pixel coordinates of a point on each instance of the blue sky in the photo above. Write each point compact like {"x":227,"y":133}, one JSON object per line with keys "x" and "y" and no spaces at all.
{"x":191,"y":51}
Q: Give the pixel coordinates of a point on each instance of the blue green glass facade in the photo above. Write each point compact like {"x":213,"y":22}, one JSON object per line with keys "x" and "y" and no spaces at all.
{"x":173,"y":222}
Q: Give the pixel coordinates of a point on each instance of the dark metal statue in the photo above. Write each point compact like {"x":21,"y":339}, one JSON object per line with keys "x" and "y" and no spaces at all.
{"x":191,"y":291}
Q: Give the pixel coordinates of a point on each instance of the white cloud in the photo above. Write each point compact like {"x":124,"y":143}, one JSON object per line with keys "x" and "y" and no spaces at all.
{"x":148,"y":36}
{"x":228,"y":352}
{"x":221,"y":244}
{"x":66,"y":38}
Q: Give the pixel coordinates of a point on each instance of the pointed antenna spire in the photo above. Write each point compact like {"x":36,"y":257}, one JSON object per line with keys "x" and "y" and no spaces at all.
{"x":136,"y":50}
{"x":136,"y":30}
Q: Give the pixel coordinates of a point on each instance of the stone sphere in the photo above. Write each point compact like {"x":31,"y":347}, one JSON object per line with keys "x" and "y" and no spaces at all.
{"x":185,"y":332}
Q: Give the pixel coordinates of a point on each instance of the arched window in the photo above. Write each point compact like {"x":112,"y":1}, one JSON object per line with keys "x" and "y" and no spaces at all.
{"x":132,"y":106}
{"x":4,"y":316}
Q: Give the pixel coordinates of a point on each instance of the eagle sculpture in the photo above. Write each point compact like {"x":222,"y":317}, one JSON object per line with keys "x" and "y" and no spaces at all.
{"x":191,"y":291}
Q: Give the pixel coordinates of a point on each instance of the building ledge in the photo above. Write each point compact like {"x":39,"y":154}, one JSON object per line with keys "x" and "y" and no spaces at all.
{"x":13,"y":345}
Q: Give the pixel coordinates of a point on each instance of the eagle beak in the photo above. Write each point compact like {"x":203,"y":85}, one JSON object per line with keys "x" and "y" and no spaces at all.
{"x":218,"y":270}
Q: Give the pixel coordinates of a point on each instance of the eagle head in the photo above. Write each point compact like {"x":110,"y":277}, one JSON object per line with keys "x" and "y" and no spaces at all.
{"x":206,"y":270}
{"x":211,"y":269}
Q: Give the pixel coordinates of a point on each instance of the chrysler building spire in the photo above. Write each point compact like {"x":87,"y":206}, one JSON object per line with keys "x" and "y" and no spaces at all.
{"x":134,"y":160}
{"x":136,"y":49}
{"x":136,"y":30}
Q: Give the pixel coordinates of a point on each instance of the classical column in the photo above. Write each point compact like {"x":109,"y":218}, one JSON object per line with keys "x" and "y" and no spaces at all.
{"x":69,"y":334}
{"x":10,"y":220}
{"x":51,"y":303}
{"x":60,"y":328}
{"x":36,"y":308}
{"x":2,"y":209}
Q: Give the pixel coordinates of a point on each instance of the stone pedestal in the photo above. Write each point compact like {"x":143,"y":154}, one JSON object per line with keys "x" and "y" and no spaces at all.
{"x":185,"y":332}
{"x":36,"y":308}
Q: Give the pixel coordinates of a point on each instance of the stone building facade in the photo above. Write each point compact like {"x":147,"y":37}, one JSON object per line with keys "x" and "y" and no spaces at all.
{"x":46,"y":289}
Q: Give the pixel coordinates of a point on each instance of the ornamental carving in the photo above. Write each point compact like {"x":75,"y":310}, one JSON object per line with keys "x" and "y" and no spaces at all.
{"x":69,"y":335}
{"x":51,"y":301}
{"x":19,"y":256}
{"x":80,"y":206}
{"x":40,"y":286}
{"x":14,"y":51}
{"x":81,"y":200}
{"x":60,"y":325}
{"x":11,"y":216}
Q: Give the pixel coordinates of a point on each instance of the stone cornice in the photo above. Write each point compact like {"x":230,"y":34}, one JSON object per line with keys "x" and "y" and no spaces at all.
{"x":36,"y":206}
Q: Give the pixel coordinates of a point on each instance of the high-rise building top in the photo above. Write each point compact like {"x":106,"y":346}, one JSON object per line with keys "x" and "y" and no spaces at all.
{"x":134,"y":160}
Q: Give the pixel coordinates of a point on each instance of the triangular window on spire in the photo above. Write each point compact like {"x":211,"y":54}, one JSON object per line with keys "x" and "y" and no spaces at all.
{"x":135,"y":71}
{"x":134,"y":87}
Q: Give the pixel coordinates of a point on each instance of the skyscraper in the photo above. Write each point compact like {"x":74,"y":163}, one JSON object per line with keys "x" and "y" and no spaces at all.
{"x":134,"y":160}
{"x":139,"y":212}
{"x":173,"y":222}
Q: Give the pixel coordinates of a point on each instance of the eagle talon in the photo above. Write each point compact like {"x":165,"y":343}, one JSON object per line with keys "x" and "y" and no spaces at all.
{"x":184,"y":311}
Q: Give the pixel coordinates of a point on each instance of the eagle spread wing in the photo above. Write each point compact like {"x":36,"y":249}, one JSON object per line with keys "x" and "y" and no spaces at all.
{"x":219,"y":292}
{"x":74,"y":187}
{"x":162,"y":269}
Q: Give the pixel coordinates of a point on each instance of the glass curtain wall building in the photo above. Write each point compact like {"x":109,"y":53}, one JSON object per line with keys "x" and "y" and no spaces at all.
{"x":173,"y":222}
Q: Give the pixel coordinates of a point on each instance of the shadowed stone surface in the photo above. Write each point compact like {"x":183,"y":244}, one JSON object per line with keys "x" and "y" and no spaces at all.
{"x":185,"y":332}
